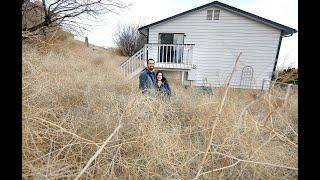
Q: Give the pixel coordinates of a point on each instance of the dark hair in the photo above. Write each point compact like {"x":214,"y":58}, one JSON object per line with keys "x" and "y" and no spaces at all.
{"x":163,"y":78}
{"x":150,"y":59}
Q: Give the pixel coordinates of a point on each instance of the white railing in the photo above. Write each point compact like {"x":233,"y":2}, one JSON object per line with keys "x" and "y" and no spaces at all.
{"x":134,"y":63}
{"x":171,"y":55}
{"x":178,"y":56}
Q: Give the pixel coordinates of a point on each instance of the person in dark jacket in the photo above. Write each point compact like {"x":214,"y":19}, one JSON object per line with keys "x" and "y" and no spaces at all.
{"x":162,"y":85}
{"x":147,"y":78}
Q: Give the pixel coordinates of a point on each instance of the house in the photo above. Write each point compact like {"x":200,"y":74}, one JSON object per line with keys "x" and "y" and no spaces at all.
{"x":200,"y":46}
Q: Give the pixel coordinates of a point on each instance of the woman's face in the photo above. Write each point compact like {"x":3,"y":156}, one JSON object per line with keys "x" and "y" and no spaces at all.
{"x":159,"y":76}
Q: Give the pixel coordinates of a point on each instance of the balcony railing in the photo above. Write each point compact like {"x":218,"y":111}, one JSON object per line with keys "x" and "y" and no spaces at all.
{"x":167,"y":56}
{"x":171,"y":55}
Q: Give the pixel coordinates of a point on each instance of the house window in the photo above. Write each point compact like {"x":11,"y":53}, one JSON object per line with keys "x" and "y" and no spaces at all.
{"x":209,"y":14}
{"x":216,"y":14}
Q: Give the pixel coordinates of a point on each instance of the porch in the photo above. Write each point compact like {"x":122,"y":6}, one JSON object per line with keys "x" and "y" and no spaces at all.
{"x":171,"y":56}
{"x":166,"y":56}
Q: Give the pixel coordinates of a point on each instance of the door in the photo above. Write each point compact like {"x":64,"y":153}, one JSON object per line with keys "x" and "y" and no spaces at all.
{"x":170,"y":54}
{"x":178,"y":51}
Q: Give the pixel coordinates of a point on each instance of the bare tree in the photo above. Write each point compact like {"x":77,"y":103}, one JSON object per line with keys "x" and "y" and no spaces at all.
{"x":66,"y":13}
{"x":128,"y":39}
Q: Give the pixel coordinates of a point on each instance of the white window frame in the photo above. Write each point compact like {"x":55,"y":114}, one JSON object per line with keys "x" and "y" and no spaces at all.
{"x":209,"y":17}
{"x":216,"y":14}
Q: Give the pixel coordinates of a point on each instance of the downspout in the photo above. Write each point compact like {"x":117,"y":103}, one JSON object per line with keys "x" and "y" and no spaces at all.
{"x":148,"y":42}
{"x":276,"y":60}
{"x":147,"y":36}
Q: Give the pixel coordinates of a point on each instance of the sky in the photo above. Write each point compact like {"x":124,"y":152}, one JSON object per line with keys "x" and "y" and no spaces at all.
{"x":145,"y":12}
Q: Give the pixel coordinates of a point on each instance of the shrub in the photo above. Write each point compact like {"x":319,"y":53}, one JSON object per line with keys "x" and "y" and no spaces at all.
{"x":128,"y":39}
{"x":289,"y":75}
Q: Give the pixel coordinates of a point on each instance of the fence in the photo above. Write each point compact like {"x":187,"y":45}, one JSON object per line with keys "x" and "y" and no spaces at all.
{"x":279,"y":90}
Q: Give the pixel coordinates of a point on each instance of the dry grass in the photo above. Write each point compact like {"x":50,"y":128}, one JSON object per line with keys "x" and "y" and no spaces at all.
{"x":75,"y":97}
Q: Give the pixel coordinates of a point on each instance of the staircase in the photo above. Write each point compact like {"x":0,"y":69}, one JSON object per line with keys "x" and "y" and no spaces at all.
{"x":135,"y":64}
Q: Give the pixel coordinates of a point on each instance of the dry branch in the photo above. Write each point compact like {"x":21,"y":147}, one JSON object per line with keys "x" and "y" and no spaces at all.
{"x":217,"y":117}
{"x":73,"y":96}
{"x":98,"y":152}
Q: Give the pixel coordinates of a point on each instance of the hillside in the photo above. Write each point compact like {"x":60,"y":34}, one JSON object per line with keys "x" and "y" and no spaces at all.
{"x":74,"y":98}
{"x":289,"y":75}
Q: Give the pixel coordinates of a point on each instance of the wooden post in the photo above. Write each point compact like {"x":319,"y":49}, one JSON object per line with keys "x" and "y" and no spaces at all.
{"x":86,"y":41}
{"x":262,"y":87}
{"x":271,"y":86}
{"x":287,"y":93}
{"x":182,"y":77}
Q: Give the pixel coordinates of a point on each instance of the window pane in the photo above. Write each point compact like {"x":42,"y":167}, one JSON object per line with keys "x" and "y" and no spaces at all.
{"x":166,"y":38}
{"x":178,"y":38}
{"x":216,"y":14}
{"x":209,"y":14}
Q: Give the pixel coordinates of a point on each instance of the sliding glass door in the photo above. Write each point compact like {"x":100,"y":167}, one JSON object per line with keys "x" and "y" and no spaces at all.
{"x":171,"y":54}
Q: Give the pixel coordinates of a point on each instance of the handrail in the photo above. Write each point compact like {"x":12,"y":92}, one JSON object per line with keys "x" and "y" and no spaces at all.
{"x":132,"y":56}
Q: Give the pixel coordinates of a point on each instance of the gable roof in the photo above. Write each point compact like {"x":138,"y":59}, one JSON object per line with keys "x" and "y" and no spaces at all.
{"x":285,"y":29}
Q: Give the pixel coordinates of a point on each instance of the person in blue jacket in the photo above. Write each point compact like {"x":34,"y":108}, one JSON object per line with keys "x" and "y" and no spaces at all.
{"x":162,"y":85}
{"x":147,"y":78}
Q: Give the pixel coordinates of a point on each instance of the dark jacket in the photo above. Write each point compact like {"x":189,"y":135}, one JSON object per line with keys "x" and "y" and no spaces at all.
{"x":147,"y":80}
{"x":164,"y":88}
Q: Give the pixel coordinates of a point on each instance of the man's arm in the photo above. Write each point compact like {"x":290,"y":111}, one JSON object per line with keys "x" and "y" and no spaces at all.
{"x":143,"y":81}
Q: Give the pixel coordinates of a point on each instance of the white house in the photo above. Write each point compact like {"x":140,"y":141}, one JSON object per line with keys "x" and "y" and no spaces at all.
{"x":201,"y":46}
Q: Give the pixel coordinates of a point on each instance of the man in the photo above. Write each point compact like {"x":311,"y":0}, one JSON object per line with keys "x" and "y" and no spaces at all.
{"x":147,"y":78}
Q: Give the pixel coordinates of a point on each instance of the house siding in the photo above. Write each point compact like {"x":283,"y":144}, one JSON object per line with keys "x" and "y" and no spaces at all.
{"x":218,"y":43}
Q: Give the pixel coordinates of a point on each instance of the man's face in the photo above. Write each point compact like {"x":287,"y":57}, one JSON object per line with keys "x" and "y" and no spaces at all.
{"x":150,"y":65}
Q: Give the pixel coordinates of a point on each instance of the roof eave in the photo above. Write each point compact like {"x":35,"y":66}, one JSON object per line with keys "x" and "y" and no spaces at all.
{"x":143,"y":31}
{"x":286,"y":30}
{"x":288,"y":33}
{"x":177,"y":15}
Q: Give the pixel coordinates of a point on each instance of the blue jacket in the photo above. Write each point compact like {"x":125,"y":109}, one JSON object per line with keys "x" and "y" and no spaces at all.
{"x":164,"y":88}
{"x":147,"y":80}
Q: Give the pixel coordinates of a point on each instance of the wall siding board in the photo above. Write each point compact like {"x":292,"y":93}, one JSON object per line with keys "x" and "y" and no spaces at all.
{"x":218,"y":43}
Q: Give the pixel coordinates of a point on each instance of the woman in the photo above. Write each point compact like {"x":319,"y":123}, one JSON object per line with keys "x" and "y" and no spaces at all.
{"x":162,"y":85}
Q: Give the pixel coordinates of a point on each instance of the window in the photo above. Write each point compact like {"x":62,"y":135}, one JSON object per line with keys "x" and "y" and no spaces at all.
{"x":209,"y":14}
{"x":216,"y":14}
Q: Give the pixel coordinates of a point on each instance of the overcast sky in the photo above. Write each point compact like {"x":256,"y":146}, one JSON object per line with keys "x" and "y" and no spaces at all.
{"x":148,"y":11}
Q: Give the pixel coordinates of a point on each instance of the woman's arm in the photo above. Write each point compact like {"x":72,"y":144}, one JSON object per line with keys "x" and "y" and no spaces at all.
{"x":167,"y":87}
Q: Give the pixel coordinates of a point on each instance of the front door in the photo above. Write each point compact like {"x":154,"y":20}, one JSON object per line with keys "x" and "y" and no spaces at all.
{"x":170,"y":54}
